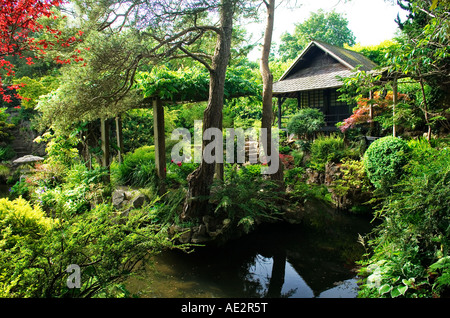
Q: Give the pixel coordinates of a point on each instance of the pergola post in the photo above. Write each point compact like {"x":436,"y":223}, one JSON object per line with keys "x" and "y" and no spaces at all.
{"x":394,"y":104}
{"x":159,"y":137}
{"x":119,"y":137}
{"x":104,"y":132}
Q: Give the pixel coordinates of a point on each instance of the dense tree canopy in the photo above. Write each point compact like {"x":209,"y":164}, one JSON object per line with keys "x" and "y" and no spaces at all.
{"x":330,"y":27}
{"x":26,"y":26}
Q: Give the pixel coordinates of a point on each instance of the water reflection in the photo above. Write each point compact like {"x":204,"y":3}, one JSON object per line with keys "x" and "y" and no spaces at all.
{"x":278,"y":260}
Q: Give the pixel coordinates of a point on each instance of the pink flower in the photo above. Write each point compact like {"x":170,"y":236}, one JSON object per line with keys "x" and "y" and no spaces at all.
{"x":179,"y":163}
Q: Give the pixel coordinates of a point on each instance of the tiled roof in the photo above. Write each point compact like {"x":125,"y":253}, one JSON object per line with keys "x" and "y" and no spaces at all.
{"x":312,"y":80}
{"x":318,"y":76}
{"x":352,"y":58}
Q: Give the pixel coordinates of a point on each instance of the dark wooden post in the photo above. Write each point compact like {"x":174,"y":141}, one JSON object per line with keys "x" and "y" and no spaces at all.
{"x":279,"y":112}
{"x":119,"y":137}
{"x":159,"y":136}
{"x":104,"y":131}
{"x":394,"y":104}
{"x":372,"y":124}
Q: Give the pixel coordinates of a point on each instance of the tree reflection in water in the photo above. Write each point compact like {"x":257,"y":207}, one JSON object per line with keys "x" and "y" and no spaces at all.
{"x":278,"y":260}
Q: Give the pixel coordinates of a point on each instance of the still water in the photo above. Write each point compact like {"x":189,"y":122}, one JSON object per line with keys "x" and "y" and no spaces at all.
{"x":312,"y":260}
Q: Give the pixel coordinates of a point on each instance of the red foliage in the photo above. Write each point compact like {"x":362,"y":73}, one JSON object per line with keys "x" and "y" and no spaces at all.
{"x":18,"y":23}
{"x":287,"y":160}
{"x":361,"y":114}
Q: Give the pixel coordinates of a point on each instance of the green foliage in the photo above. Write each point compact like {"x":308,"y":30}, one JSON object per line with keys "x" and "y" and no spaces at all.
{"x":177,"y":173}
{"x":107,"y":248}
{"x":376,"y":53}
{"x":22,"y":220}
{"x":192,"y":84}
{"x":384,"y":161}
{"x":137,"y":129}
{"x":20,"y":189}
{"x":80,"y":190}
{"x":34,"y":88}
{"x":245,"y":197}
{"x":411,"y":246}
{"x":306,"y":122}
{"x":331,"y":27}
{"x":6,"y":153}
{"x":327,"y":149}
{"x":292,"y":176}
{"x":5,"y":127}
{"x":60,"y":148}
{"x":99,"y":88}
{"x":138,"y":168}
{"x":303,"y":192}
{"x":353,"y":183}
{"x":167,"y":209}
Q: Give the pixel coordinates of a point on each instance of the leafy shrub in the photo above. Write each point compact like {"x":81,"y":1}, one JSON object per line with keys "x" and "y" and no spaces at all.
{"x":245,"y":200}
{"x":21,"y":188}
{"x":71,"y":193}
{"x":5,"y":127}
{"x":384,"y":161}
{"x":411,"y":247}
{"x":298,"y":157}
{"x":177,"y":173}
{"x":138,"y":168}
{"x":284,"y":150}
{"x":291,"y":176}
{"x":60,"y":149}
{"x":306,"y":122}
{"x":353,"y":185}
{"x":326,"y":149}
{"x":6,"y":153}
{"x":22,"y":219}
{"x":33,"y":262}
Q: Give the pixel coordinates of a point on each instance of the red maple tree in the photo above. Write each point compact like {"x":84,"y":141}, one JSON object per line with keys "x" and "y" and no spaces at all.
{"x":18,"y":27}
{"x":361,"y":113}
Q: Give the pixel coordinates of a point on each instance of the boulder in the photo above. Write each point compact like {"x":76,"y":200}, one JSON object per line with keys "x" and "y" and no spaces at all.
{"x":138,"y":201}
{"x":118,"y":198}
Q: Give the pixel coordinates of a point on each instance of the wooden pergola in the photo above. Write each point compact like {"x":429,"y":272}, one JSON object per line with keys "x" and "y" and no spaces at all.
{"x":157,"y":103}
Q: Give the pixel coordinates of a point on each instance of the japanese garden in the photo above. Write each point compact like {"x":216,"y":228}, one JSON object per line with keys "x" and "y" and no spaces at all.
{"x":144,"y":154}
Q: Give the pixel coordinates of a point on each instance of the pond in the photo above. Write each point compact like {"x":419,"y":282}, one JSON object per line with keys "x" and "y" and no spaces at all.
{"x":315,"y":259}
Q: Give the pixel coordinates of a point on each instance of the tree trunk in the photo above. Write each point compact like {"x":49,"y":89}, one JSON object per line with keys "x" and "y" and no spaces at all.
{"x":425,"y":110}
{"x":267,"y":77}
{"x":200,"y":181}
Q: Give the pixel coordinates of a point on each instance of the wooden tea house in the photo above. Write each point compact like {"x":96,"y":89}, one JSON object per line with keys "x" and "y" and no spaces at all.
{"x":313,"y":79}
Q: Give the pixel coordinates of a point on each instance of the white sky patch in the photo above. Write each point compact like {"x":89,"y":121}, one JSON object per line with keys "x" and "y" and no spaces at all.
{"x":371,"y":21}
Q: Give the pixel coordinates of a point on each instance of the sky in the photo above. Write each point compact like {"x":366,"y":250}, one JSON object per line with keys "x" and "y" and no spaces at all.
{"x":371,"y":21}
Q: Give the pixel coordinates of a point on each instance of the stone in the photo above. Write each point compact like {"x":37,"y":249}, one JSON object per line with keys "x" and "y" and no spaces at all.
{"x":118,"y":198}
{"x":138,"y":201}
{"x":314,"y":176}
{"x":27,"y":159}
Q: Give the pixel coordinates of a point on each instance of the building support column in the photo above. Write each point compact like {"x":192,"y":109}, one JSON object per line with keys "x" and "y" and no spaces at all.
{"x":279,"y":111}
